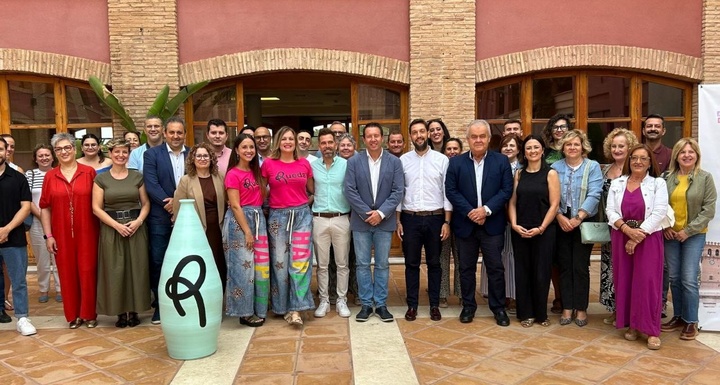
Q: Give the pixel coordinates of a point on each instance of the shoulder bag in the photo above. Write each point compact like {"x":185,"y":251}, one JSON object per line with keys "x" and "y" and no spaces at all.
{"x":591,"y":232}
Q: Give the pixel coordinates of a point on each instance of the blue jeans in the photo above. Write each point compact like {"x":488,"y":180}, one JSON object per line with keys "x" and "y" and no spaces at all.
{"x":372,"y":286}
{"x":158,"y":240}
{"x":683,"y":261}
{"x":16,"y":262}
{"x":290,"y":235}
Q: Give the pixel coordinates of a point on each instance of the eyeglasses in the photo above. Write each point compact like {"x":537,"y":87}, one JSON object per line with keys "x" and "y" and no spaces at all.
{"x":560,"y":127}
{"x":202,"y":156}
{"x":643,"y":159}
{"x":262,"y":137}
{"x":67,"y":148}
{"x":338,"y":133}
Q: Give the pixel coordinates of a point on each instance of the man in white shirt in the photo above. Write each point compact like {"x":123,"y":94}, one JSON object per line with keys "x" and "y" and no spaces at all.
{"x":304,"y":141}
{"x":154,"y":135}
{"x":424,"y":218}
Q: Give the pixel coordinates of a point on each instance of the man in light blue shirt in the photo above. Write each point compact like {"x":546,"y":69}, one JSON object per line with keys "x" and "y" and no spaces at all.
{"x":331,"y":224}
{"x":154,"y":135}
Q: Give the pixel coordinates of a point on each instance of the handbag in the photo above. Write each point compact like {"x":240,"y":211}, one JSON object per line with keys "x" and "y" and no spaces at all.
{"x":592,"y":232}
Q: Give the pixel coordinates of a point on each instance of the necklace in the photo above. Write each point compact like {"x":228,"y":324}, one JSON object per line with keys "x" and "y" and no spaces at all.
{"x":71,"y":194}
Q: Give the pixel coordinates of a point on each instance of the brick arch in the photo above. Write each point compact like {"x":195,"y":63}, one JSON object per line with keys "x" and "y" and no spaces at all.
{"x":590,"y":55}
{"x":284,"y":59}
{"x":52,"y":64}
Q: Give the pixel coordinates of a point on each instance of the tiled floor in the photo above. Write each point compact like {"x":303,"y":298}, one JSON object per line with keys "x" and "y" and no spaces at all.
{"x":336,"y":351}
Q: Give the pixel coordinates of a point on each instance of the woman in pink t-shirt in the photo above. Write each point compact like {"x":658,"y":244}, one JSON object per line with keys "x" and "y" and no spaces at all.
{"x":245,"y":235}
{"x":291,"y":184}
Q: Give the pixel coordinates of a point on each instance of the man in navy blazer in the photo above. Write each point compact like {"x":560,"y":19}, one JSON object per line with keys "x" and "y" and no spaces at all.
{"x":478,"y":185}
{"x":163,"y":167}
{"x":374,"y":185}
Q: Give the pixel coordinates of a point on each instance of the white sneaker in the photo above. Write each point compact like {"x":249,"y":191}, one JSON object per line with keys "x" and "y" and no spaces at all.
{"x":342,"y":308}
{"x":322,"y":309}
{"x":25,"y":327}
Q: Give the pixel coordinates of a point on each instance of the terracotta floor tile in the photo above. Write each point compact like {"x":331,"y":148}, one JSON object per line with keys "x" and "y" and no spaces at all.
{"x":478,"y":326}
{"x":669,"y":368}
{"x":112,"y":357}
{"x":325,"y":345}
{"x":449,"y":359}
{"x":498,"y":371}
{"x":527,"y":357}
{"x":273,"y":330}
{"x":339,"y":378}
{"x":154,"y":346}
{"x":87,"y":347}
{"x":15,"y":347}
{"x":714,"y":363}
{"x":323,"y":363}
{"x":417,"y":347}
{"x":267,"y":363}
{"x":431,"y":336}
{"x":339,"y":329}
{"x":142,"y":368}
{"x":162,"y":379}
{"x":579,"y":334}
{"x":553,"y":344}
{"x":410,"y":327}
{"x":59,"y":337}
{"x":480,"y":346}
{"x":133,"y":334}
{"x":698,"y":354}
{"x":428,"y":374}
{"x":96,"y":378}
{"x":545,"y":378}
{"x":625,"y":377}
{"x":272,"y":347}
{"x":4,"y":370}
{"x":506,"y":334}
{"x":705,"y":377}
{"x":264,"y":379}
{"x":581,"y":369}
{"x":616,"y":341}
{"x":15,"y":379}
{"x":459,"y":379}
{"x":600,"y":354}
{"x":58,"y":371}
{"x":33,"y":359}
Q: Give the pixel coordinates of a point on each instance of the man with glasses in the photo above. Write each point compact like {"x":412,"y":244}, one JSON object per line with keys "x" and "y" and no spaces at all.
{"x":153,"y":133}
{"x":263,"y":140}
{"x":653,"y":131}
{"x":217,"y":137}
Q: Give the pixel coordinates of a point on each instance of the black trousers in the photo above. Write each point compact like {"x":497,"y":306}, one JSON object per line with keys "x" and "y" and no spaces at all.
{"x":491,"y":247}
{"x":574,"y":261}
{"x":533,"y":268}
{"x":419,"y":232}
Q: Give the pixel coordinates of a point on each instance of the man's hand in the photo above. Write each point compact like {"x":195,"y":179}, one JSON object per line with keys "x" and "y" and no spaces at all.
{"x":478,"y":215}
{"x":168,"y":205}
{"x":445,"y":231}
{"x":399,"y":230}
{"x":373,"y":218}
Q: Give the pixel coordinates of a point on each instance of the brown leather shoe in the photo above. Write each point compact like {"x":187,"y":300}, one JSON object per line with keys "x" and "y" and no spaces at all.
{"x":556,"y":306}
{"x":675,"y":323}
{"x":411,"y":314}
{"x":689,"y":332}
{"x":435,"y":313}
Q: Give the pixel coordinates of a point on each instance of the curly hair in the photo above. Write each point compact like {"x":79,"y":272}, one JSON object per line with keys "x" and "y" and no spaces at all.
{"x":547,"y":132}
{"x":190,"y":159}
{"x":632,"y":140}
{"x":572,"y":134}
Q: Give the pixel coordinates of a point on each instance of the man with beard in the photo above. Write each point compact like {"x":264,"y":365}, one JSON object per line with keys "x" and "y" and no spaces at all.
{"x":424,"y":218}
{"x":653,"y":131}
{"x":153,"y":133}
{"x":217,"y":137}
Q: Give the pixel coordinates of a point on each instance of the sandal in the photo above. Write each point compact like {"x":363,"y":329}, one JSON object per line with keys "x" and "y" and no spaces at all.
{"x":631,"y":335}
{"x":8,"y":305}
{"x":293,"y":318}
{"x":653,"y":343}
{"x":545,"y":323}
{"x":526,"y":323}
{"x":253,"y":321}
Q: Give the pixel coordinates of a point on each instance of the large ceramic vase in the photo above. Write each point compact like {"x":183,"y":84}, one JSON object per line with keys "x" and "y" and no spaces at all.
{"x":190,"y":291}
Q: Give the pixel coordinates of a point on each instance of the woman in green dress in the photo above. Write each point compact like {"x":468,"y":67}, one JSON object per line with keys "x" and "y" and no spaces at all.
{"x":121,"y":204}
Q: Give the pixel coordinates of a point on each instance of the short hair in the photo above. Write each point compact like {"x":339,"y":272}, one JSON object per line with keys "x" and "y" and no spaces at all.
{"x":337,"y":122}
{"x":349,"y":137}
{"x":248,"y":127}
{"x":148,"y":117}
{"x":117,"y":142}
{"x":459,"y":142}
{"x":547,"y":132}
{"x":309,"y":131}
{"x":620,"y":131}
{"x":131,"y":132}
{"x":174,"y":119}
{"x":539,"y":138}
{"x":674,"y":165}
{"x":190,"y":159}
{"x":509,"y":121}
{"x":275,"y":153}
{"x":478,"y":122}
{"x":654,"y":170}
{"x":217,"y":123}
{"x":60,"y":137}
{"x":416,"y":121}
{"x":370,"y":125}
{"x":654,"y":116}
{"x":101,"y":156}
{"x":325,"y":131}
{"x":518,"y":142}
{"x":572,"y":134}
{"x":396,"y":131}
{"x":41,"y":146}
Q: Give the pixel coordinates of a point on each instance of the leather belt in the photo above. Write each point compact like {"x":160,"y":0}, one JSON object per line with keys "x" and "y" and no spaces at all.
{"x":124,"y":214}
{"x":424,"y":213}
{"x":329,"y":215}
{"x":633,"y":224}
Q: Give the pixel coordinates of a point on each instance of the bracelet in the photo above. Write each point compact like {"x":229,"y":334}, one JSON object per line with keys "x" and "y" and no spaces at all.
{"x":48,"y":236}
{"x":621,"y":226}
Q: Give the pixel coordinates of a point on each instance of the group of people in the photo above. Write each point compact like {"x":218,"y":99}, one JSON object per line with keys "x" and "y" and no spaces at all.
{"x":267,"y":205}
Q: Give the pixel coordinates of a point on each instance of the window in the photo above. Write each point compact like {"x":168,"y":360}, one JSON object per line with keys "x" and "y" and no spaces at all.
{"x":598,"y":101}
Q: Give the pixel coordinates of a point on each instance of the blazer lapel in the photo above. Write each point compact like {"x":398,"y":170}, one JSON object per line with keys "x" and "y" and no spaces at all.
{"x":196,"y":191}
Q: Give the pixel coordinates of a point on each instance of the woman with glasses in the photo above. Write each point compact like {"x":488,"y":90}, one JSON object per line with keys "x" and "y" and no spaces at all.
{"x":122,"y":204}
{"x":692,"y":196}
{"x":289,"y":227}
{"x":71,"y":230}
{"x":93,"y":155}
{"x":203,"y":183}
{"x":44,"y":160}
{"x":636,"y":206}
{"x":438,"y":134}
{"x":580,"y":192}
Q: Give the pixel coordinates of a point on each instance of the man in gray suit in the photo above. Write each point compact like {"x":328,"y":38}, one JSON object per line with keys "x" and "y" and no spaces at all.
{"x":374,"y":184}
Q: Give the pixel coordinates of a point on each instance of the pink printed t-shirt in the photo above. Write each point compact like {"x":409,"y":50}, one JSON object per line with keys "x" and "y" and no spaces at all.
{"x":245,"y":183}
{"x":288,"y":182}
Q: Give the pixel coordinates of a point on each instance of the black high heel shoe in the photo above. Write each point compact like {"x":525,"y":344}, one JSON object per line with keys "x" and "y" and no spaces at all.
{"x":122,"y":321}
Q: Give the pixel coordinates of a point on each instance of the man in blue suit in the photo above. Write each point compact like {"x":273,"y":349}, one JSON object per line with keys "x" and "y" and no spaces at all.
{"x":374,"y":184}
{"x":478,"y":185}
{"x":163,"y":167}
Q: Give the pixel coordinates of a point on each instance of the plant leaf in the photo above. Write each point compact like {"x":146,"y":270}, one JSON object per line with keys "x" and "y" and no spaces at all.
{"x":174,"y":104}
{"x":160,"y":101}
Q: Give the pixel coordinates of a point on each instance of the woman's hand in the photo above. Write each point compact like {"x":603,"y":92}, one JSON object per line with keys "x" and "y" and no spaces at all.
{"x":669,"y":234}
{"x":630,"y":247}
{"x":134,"y":225}
{"x":249,"y":239}
{"x":564,"y":223}
{"x":51,"y":245}
{"x":681,"y":236}
{"x":123,"y":230}
{"x":636,"y":235}
{"x":519,"y":229}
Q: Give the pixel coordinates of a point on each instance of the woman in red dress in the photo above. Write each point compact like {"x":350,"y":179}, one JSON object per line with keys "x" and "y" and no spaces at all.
{"x":71,"y":230}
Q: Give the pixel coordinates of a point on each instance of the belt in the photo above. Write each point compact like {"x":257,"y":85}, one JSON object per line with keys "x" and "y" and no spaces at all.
{"x":424,"y":213}
{"x":329,"y":215}
{"x":124,"y":214}
{"x":633,"y":224}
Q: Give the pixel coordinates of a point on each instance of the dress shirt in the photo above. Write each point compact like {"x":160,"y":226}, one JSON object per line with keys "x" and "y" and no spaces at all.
{"x":329,"y":197}
{"x":479,"y":168}
{"x":178,"y":163}
{"x":374,"y":172}
{"x":223,"y":160}
{"x":311,"y":158}
{"x":424,"y":181}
